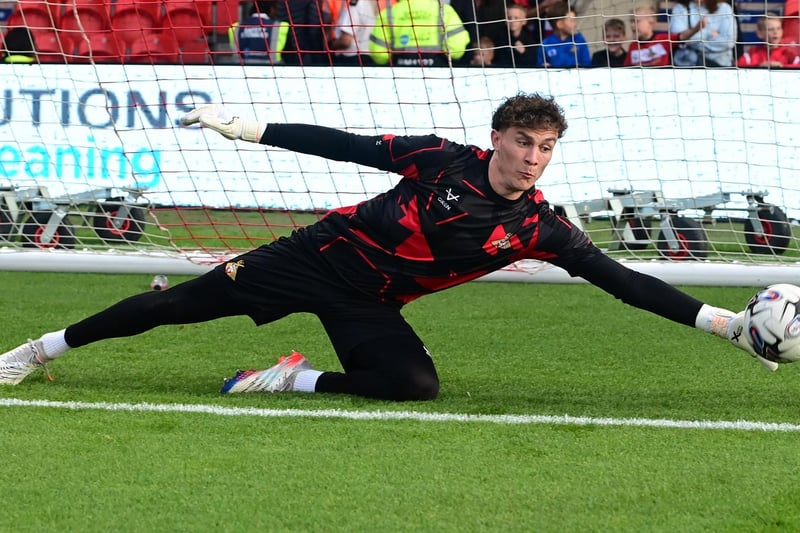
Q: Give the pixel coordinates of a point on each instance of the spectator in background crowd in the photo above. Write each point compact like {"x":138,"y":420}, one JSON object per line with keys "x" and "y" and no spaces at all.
{"x":566,"y":47}
{"x":774,"y":53}
{"x":468,"y":12}
{"x":330,"y":10}
{"x":352,"y":32}
{"x":714,"y":45}
{"x":18,"y":46}
{"x":413,"y":33}
{"x":484,"y":53}
{"x":516,"y":45}
{"x":791,"y":22}
{"x":614,"y":54}
{"x":306,"y":43}
{"x":651,"y":49}
{"x":490,"y":16}
{"x":260,"y":38}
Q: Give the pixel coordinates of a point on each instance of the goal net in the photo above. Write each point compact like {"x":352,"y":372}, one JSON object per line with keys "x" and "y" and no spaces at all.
{"x":690,"y":173}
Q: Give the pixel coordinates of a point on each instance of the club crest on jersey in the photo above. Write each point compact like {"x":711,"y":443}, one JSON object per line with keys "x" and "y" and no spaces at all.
{"x":504,"y":243}
{"x":232,"y":267}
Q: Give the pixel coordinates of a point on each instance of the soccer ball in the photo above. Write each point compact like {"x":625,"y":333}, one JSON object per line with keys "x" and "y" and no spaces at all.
{"x":772,"y":319}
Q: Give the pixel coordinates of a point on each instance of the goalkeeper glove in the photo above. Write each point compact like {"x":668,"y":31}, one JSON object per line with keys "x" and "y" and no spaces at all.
{"x":219,"y":119}
{"x":728,"y":325}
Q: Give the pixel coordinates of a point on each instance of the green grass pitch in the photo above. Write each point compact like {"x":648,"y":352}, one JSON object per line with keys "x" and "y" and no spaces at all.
{"x":501,"y":349}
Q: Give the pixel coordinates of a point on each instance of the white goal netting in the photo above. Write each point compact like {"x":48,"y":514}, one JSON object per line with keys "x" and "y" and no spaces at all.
{"x":695,"y":167}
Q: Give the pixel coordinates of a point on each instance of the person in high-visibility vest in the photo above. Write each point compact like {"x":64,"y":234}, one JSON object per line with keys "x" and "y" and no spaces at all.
{"x":18,"y":47}
{"x":260,"y":38}
{"x":418,"y":33}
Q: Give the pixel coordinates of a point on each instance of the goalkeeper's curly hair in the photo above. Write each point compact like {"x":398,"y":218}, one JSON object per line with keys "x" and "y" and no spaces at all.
{"x":530,"y":111}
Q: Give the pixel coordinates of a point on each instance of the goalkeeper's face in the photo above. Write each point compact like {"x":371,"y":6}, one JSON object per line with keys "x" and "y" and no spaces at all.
{"x":519,"y":159}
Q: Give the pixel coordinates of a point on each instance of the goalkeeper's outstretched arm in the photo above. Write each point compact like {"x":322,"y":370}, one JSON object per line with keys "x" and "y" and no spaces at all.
{"x":654,"y":295}
{"x":321,"y":141}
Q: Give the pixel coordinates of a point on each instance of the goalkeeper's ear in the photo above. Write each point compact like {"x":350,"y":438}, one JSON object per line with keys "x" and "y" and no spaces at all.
{"x":219,"y":119}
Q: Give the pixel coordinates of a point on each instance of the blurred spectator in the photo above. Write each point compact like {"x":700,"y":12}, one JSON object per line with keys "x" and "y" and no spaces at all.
{"x":537,"y":13}
{"x":774,"y":53}
{"x":467,"y":11}
{"x":538,"y":8}
{"x":516,"y":45}
{"x":18,"y":46}
{"x":651,"y":49}
{"x":491,"y":16}
{"x":566,"y":47}
{"x":330,"y":10}
{"x":614,"y":54}
{"x":306,"y":43}
{"x":791,"y":22}
{"x":351,"y":34}
{"x":418,"y":33}
{"x":484,"y":53}
{"x":712,"y":46}
{"x":260,"y":38}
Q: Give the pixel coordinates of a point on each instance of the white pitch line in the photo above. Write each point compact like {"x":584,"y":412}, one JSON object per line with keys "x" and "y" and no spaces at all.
{"x":562,"y":420}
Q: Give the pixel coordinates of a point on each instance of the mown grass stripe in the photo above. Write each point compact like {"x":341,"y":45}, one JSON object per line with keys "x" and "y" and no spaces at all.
{"x":562,"y":420}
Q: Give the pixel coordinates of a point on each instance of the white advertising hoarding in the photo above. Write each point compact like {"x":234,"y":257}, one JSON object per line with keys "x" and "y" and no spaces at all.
{"x":685,"y":133}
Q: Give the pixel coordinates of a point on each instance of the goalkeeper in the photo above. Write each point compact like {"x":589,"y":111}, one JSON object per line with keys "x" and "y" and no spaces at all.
{"x":459,"y":213}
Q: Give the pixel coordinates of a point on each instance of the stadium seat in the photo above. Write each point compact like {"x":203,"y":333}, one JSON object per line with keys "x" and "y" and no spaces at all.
{"x":83,"y":17}
{"x":99,"y":47}
{"x":50,"y":48}
{"x":186,"y":20}
{"x":130,"y":19}
{"x":156,"y":48}
{"x":195,"y":52}
{"x":221,"y":14}
{"x":35,"y":14}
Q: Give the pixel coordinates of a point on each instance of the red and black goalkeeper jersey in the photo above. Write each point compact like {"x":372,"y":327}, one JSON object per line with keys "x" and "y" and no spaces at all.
{"x":442,"y":224}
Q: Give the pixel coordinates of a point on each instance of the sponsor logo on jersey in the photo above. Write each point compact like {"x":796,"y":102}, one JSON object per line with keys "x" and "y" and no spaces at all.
{"x":504,"y":243}
{"x":232,"y":267}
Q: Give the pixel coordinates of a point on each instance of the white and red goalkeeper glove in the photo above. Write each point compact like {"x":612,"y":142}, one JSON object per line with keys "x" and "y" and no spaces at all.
{"x":219,"y":119}
{"x":730,"y":325}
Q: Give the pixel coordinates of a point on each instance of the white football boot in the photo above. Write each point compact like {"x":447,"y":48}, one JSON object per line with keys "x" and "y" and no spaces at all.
{"x":16,"y":364}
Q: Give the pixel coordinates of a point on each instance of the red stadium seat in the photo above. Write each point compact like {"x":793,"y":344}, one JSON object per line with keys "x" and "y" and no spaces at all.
{"x":186,"y":20}
{"x":35,"y":14}
{"x":153,"y":49}
{"x":130,"y":19}
{"x":195,"y":52}
{"x":219,"y":15}
{"x":50,"y":48}
{"x":84,"y":17}
{"x":100,"y":47}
